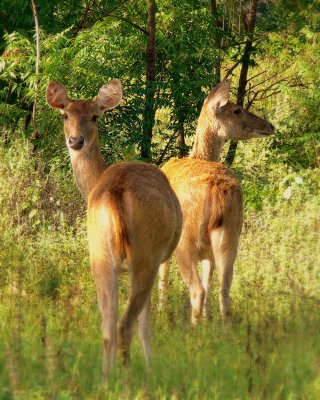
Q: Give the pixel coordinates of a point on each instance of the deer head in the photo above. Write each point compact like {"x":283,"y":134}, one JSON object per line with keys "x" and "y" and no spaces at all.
{"x":230,"y":121}
{"x":80,"y":116}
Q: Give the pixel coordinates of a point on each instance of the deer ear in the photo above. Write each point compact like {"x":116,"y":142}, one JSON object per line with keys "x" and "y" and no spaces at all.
{"x":57,"y":96}
{"x":109,"y":95}
{"x":219,"y":95}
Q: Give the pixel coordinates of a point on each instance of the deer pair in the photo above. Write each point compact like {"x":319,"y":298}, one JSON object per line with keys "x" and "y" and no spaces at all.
{"x":134,"y":217}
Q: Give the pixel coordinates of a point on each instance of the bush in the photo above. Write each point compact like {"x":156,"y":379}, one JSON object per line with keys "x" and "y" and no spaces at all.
{"x":34,"y":195}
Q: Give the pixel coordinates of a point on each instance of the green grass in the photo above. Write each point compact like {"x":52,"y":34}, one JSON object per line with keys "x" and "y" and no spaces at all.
{"x":50,"y":339}
{"x":50,"y":325}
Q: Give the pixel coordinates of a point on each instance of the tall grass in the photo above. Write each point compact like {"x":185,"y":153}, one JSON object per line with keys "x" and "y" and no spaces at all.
{"x":50,"y":340}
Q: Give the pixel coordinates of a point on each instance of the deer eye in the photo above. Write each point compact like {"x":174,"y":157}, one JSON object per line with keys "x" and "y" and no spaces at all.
{"x":237,"y":111}
{"x":94,"y":118}
{"x":65,"y":117}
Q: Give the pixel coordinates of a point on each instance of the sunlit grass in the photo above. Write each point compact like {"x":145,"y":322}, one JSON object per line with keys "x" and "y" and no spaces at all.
{"x":51,"y":342}
{"x":50,"y":339}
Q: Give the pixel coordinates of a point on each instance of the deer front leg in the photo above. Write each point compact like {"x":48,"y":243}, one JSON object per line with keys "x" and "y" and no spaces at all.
{"x":163,"y":283}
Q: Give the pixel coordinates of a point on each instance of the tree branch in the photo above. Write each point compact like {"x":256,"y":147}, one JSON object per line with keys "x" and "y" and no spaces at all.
{"x":256,"y":75}
{"x":130,"y":23}
{"x":231,"y":70}
{"x":83,"y":18}
{"x":160,"y":159}
{"x":82,"y":26}
{"x":241,"y":42}
{"x":268,"y":79}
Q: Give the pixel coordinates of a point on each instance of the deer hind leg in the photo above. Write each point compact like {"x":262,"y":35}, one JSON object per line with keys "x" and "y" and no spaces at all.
{"x":106,"y":279}
{"x":224,"y":243}
{"x":142,"y":279}
{"x":145,"y":332}
{"x":187,"y":258}
{"x":207,"y":270}
{"x":163,"y":283}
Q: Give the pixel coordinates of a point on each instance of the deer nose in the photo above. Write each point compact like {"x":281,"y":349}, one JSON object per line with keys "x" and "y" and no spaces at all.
{"x":76,"y":142}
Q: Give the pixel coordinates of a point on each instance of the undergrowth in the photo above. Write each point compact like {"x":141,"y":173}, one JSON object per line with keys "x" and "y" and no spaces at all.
{"x":50,"y":342}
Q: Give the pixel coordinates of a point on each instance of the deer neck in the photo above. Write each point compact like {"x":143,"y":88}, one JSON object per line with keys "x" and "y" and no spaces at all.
{"x":207,"y":144}
{"x":87,"y":166}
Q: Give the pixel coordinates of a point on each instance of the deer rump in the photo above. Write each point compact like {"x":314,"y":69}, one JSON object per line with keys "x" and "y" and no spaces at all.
{"x":219,"y":207}
{"x":210,"y":197}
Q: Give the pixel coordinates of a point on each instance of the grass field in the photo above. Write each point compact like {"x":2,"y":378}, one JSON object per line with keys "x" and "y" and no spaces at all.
{"x":50,"y":339}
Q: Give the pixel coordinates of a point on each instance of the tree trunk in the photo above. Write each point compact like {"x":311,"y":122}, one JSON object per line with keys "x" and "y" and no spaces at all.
{"x":213,"y":7}
{"x":36,"y":22}
{"x":249,"y":24}
{"x":218,"y":36}
{"x":149,"y":109}
{"x":183,"y":149}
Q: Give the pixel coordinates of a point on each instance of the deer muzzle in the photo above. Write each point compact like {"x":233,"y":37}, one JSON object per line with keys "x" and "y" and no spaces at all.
{"x":75,"y":142}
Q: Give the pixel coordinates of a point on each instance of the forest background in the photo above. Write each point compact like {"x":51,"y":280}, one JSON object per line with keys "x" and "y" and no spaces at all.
{"x":168,"y":55}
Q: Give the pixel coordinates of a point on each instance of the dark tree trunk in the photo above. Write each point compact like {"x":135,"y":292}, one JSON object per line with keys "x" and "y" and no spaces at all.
{"x":36,"y":22}
{"x":213,"y":6}
{"x":183,"y":149}
{"x":35,"y":136}
{"x":218,"y":35}
{"x":28,"y":118}
{"x":249,"y":24}
{"x":149,"y":109}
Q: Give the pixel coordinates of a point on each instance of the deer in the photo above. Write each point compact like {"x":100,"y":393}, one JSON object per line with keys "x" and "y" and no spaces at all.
{"x":134,"y":220}
{"x":211,"y":200}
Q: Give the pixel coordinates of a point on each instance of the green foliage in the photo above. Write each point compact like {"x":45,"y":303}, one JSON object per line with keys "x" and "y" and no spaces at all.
{"x":111,"y":46}
{"x":287,"y":66}
{"x":33,"y":195}
{"x":267,"y":180}
{"x":83,"y":51}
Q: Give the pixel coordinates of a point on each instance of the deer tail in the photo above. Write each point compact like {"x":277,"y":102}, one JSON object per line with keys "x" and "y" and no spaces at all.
{"x":222,"y":198}
{"x":121,"y":243}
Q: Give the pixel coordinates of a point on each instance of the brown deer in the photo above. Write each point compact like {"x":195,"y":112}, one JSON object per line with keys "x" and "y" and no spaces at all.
{"x":211,"y":200}
{"x":220,"y":120}
{"x":134,"y":219}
